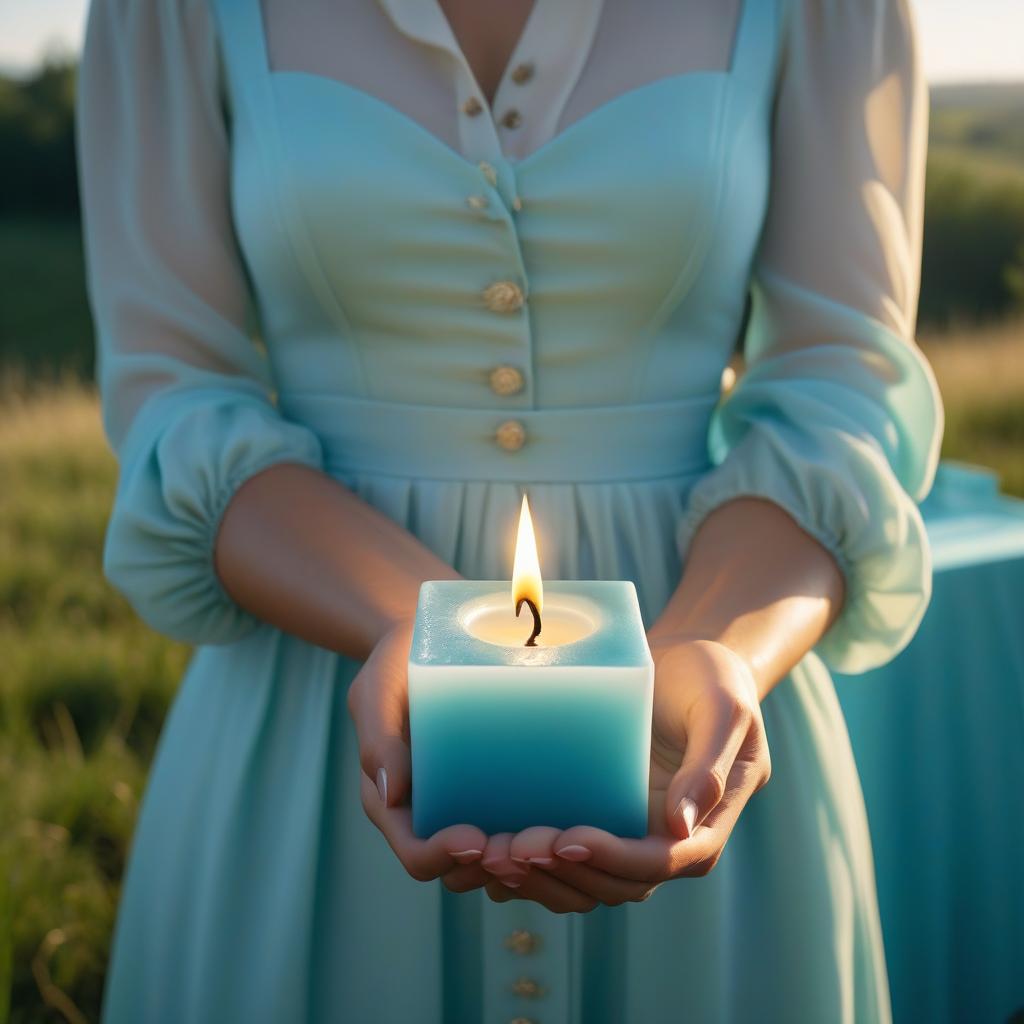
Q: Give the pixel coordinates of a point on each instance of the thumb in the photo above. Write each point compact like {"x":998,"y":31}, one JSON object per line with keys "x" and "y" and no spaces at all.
{"x":379,"y":704}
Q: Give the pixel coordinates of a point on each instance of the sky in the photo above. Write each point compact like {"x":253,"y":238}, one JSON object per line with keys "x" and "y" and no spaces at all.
{"x":962,"y":40}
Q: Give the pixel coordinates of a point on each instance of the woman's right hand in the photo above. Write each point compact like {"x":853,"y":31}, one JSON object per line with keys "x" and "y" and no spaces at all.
{"x":378,"y":700}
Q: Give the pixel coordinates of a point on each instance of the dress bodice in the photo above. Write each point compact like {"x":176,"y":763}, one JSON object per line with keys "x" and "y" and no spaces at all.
{"x":582,"y":274}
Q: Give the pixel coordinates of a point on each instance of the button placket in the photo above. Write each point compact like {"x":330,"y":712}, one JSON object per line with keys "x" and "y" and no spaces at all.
{"x":511,"y":118}
{"x":510,"y":435}
{"x":478,"y":133}
{"x":488,"y":171}
{"x":528,"y":988}
{"x":493,"y":199}
{"x":523,"y":72}
{"x":487,"y":202}
{"x":522,"y":942}
{"x":511,"y":378}
{"x":472,"y":105}
{"x":506,"y":380}
{"x":505,"y":296}
{"x":501,"y":180}
{"x":501,"y":176}
{"x":526,"y":958}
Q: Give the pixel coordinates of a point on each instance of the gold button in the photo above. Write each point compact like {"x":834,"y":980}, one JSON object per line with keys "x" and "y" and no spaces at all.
{"x":506,"y":380}
{"x":477,"y":202}
{"x":523,"y":72}
{"x":503,"y":297}
{"x":527,"y":988}
{"x":522,"y":941}
{"x":488,"y":171}
{"x":512,"y":118}
{"x":511,"y":435}
{"x":517,"y":203}
{"x":472,"y":106}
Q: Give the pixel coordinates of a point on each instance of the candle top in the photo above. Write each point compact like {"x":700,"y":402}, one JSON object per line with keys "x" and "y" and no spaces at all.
{"x":620,"y":640}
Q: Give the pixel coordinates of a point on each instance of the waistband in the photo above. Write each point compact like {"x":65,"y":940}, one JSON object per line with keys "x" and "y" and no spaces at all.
{"x":579,"y":444}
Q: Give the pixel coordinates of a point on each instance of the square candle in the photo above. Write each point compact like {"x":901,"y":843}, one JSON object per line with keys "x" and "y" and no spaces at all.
{"x":505,"y":736}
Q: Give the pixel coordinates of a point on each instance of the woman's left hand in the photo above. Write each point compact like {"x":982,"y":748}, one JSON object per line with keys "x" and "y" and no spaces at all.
{"x":709,"y":755}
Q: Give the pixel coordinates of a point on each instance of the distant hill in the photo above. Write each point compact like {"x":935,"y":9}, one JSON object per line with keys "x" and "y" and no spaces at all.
{"x":979,"y":94}
{"x":980,"y":122}
{"x":973,"y":266}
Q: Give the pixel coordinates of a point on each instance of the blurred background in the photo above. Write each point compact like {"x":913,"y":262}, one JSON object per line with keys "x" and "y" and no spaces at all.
{"x":84,"y":685}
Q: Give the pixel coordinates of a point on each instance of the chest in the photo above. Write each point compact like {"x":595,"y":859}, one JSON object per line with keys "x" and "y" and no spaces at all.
{"x":487,"y":34}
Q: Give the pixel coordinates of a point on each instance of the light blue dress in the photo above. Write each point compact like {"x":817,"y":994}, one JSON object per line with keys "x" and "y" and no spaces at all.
{"x":610,"y":268}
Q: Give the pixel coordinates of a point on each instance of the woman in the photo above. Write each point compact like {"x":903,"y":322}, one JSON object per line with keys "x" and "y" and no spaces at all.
{"x":488,"y":252}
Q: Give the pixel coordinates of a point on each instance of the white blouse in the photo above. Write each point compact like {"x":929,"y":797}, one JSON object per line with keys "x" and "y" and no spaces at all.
{"x":571,"y":57}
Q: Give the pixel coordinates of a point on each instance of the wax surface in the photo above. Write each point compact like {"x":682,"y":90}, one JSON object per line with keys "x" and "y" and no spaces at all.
{"x":505,"y":737}
{"x":440,"y":639}
{"x":566,"y":619}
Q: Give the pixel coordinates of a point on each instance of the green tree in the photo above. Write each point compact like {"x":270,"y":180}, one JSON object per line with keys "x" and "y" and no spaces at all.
{"x":38,"y":173}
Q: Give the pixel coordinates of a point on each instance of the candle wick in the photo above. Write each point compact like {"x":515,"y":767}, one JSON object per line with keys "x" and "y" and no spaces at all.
{"x":532,"y":642}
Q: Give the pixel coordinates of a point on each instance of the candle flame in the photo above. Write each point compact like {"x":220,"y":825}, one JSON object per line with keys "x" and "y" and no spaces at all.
{"x":526,"y":581}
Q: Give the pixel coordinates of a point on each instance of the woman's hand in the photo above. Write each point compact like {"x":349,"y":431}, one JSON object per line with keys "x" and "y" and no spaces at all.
{"x":378,"y":700}
{"x":709,"y":755}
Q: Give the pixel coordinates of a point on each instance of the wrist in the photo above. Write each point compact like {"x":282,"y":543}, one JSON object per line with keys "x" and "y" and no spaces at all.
{"x":399,"y":615}
{"x":728,"y":658}
{"x":399,"y":623}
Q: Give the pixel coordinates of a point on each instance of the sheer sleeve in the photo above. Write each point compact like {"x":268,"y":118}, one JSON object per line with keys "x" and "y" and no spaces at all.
{"x":185,"y":392}
{"x":837,"y":418}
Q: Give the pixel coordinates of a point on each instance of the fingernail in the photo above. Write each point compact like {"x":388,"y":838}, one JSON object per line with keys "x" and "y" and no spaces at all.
{"x":520,"y":860}
{"x":509,"y":883}
{"x":382,"y":785}
{"x":543,"y":861}
{"x":576,"y":853}
{"x":467,"y":856}
{"x":687,"y":810}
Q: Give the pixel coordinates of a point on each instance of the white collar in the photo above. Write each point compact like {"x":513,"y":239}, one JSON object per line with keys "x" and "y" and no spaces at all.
{"x":555,"y":40}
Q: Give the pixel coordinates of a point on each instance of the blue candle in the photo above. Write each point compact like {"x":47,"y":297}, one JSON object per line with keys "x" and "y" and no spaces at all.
{"x":505,"y":736}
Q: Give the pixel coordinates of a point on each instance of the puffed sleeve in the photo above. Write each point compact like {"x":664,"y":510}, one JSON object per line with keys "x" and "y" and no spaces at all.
{"x":185,"y":391}
{"x":837,"y":417}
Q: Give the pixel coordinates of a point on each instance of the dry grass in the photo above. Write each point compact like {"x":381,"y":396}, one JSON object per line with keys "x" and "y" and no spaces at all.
{"x":47,"y":417}
{"x":978,"y":365}
{"x":981,"y":376}
{"x":84,"y":687}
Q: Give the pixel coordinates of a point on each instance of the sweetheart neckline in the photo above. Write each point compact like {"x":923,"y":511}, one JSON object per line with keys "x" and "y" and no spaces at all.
{"x":522,"y":164}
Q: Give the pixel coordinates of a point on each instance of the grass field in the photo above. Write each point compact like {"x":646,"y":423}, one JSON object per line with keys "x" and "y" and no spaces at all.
{"x":84,"y":686}
{"x":981,"y":375}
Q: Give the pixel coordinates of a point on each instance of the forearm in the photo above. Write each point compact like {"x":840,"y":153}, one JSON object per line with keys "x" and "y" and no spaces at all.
{"x":299,"y":550}
{"x":758,"y":584}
